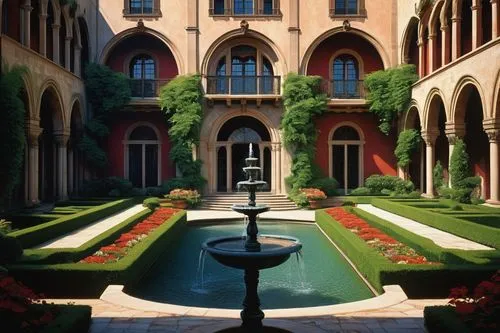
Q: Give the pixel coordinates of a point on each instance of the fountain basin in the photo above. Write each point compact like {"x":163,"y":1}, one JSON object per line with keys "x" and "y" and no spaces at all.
{"x":250,"y":210}
{"x":230,"y":251}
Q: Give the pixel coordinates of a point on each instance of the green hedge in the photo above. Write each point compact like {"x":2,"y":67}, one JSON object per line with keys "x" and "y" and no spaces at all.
{"x":418,"y":281}
{"x":443,"y":319}
{"x":71,"y":319}
{"x":38,"y":234}
{"x":65,"y":255}
{"x":90,"y":280}
{"x":479,"y":233}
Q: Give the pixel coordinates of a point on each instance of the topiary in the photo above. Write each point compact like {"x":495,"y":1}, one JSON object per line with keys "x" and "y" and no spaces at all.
{"x":459,"y":165}
{"x":438,"y":175}
{"x":360,"y":191}
{"x":327,"y":185}
{"x":10,"y":249}
{"x":408,"y":143}
{"x":388,"y":185}
{"x":151,"y":203}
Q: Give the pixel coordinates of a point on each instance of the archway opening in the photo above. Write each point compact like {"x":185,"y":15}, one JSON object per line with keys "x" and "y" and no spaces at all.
{"x":20,"y":195}
{"x":466,"y":32}
{"x":416,"y":169}
{"x":34,"y":26}
{"x":410,"y":48}
{"x":84,"y":40}
{"x":486,"y":20}
{"x":347,"y":157}
{"x":50,"y":35}
{"x":143,"y":155}
{"x":75,"y":160}
{"x":233,"y":141}
{"x":436,"y":123}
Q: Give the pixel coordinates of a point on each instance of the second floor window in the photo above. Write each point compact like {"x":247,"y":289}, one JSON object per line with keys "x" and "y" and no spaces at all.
{"x":345,"y":76}
{"x":143,"y":73}
{"x":141,"y":6}
{"x":243,"y":7}
{"x":346,"y":7}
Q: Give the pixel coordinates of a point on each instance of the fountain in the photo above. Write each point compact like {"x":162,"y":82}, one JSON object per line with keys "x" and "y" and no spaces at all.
{"x":252,"y":252}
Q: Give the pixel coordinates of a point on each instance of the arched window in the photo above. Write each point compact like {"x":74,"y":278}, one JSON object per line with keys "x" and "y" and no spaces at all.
{"x":141,"y":6}
{"x":346,"y":7}
{"x":346,"y":157}
{"x":345,"y":74}
{"x":243,"y":70}
{"x":143,"y":157}
{"x":221,"y":85}
{"x":143,"y":72}
{"x":243,"y":7}
{"x":245,"y":135}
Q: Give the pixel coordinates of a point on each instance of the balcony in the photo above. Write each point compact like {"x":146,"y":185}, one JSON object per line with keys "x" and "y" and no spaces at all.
{"x":345,"y":95}
{"x":147,"y":88}
{"x":243,"y":85}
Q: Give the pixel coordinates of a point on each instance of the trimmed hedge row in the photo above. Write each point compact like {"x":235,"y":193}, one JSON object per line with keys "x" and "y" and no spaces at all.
{"x":65,"y":255}
{"x":90,"y":280}
{"x":71,"y":319}
{"x":418,"y":281}
{"x":476,"y":232}
{"x":443,"y":319}
{"x":38,"y":234}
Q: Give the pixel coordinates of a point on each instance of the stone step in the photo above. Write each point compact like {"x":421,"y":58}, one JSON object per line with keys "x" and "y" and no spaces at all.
{"x":226,"y":200}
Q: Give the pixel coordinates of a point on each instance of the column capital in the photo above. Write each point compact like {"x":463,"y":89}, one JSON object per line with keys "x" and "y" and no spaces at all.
{"x":27,"y":7}
{"x":493,"y":1}
{"x":61,"y":139}
{"x":33,"y":136}
{"x":68,"y":38}
{"x":444,"y":27}
{"x":493,"y":135}
{"x":432,"y":36}
{"x":43,"y":16}
{"x":453,"y":137}
{"x":456,"y":19}
{"x":430,"y":137}
{"x":476,"y":7}
{"x":56,"y":26}
{"x":454,"y":129}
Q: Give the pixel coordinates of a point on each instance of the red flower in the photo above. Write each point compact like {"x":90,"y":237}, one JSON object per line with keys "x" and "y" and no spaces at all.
{"x":465,"y":308}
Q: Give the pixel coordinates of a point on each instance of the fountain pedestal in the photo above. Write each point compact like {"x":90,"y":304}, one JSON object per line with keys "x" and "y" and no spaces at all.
{"x":255,"y":254}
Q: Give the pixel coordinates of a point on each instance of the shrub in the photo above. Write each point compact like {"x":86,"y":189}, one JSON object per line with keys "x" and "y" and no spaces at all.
{"x":191,"y":196}
{"x":10,"y":249}
{"x":157,"y":191}
{"x":5,"y":227}
{"x":438,"y":175}
{"x":459,"y":165}
{"x":110,"y":186}
{"x":408,"y":143}
{"x":377,"y":184}
{"x":456,"y":207}
{"x":348,"y":204}
{"x":313,"y":193}
{"x":327,"y":185}
{"x":361,"y":191}
{"x":151,"y":203}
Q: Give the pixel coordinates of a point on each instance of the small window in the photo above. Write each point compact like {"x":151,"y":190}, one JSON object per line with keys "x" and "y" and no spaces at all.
{"x":346,"y":133}
{"x":142,"y":7}
{"x":143,"y":74}
{"x":243,"y":7}
{"x":347,"y":7}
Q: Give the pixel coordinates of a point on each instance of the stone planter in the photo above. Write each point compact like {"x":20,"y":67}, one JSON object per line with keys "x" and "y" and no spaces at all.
{"x":315,"y":204}
{"x":180,"y":204}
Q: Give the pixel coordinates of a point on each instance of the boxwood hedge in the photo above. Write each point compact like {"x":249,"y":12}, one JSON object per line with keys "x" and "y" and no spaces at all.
{"x":443,"y":319}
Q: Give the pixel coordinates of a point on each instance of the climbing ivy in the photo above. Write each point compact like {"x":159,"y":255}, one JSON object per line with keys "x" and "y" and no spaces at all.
{"x":389,"y":93}
{"x":11,"y":131}
{"x":303,"y":102}
{"x":408,"y":143}
{"x":181,"y":101}
{"x":107,"y":91}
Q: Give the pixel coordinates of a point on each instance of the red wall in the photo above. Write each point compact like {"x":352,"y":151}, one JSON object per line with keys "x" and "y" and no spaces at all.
{"x":378,"y":149}
{"x":166,"y":65}
{"x":319,"y":62}
{"x":13,"y":20}
{"x":119,"y":128}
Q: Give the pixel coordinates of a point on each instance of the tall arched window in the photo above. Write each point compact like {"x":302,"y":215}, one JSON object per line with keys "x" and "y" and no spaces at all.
{"x":143,"y":72}
{"x":346,"y":157}
{"x":142,"y":157}
{"x":243,"y":70}
{"x":345,"y":74}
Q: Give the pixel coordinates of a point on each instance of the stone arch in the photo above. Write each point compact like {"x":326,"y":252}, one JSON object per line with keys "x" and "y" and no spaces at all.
{"x":495,"y":107}
{"x":372,"y":40}
{"x":431,"y":110}
{"x":237,"y":37}
{"x":410,"y":30}
{"x":460,"y":96}
{"x":132,"y":31}
{"x":434,"y":16}
{"x":76,"y":101}
{"x":132,"y":127}
{"x":58,"y":115}
{"x":348,"y":124}
{"x":443,"y":14}
{"x":412,"y":117}
{"x":28,"y":87}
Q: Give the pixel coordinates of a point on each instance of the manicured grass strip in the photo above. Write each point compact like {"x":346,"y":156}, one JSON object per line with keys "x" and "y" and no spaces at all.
{"x":418,"y":281}
{"x":71,"y":319}
{"x":38,"y":234}
{"x":426,"y":246}
{"x":473,"y":231}
{"x":361,"y":199}
{"x":66,"y":255}
{"x":90,"y":280}
{"x":443,"y":319}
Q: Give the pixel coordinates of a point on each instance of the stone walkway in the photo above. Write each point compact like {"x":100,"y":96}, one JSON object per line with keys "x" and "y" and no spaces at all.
{"x":406,"y":317}
{"x":81,"y":236}
{"x":439,"y":237}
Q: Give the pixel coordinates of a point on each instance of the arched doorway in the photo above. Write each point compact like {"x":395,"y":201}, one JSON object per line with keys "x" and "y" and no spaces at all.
{"x":346,"y":160}
{"x":143,"y":155}
{"x":436,"y":124}
{"x":232,"y":147}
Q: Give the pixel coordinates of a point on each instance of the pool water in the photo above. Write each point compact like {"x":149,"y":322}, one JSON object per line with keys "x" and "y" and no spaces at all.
{"x":321,"y":277}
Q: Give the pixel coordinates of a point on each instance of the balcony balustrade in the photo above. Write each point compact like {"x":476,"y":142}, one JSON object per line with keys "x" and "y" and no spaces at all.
{"x":243,"y":85}
{"x":147,"y":88}
{"x":344,"y":89}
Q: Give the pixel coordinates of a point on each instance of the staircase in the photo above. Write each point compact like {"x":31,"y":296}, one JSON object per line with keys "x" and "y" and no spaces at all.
{"x":225,"y":201}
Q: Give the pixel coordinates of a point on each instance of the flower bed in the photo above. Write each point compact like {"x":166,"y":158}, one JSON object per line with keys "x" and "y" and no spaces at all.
{"x":117,"y":250}
{"x":389,"y":247}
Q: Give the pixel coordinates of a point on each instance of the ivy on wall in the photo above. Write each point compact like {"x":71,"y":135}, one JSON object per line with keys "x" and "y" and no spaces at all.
{"x":107,"y":91}
{"x":408,"y":143}
{"x":11,"y":131}
{"x":389,"y":93}
{"x":303,"y":102}
{"x":181,"y":101}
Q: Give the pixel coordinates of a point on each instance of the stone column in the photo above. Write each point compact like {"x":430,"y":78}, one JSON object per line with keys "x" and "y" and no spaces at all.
{"x":42,"y":29}
{"x":294,"y":30}
{"x":445,"y":44}
{"x":421,"y":59}
{"x":67,"y":52}
{"x":493,"y":136}
{"x":33,"y":137}
{"x":192,"y":36}
{"x":62,"y":165}
{"x":229,"y":168}
{"x":456,"y":31}
{"x":494,"y":19}
{"x":430,"y":140}
{"x":71,"y":170}
{"x":453,"y":133}
{"x":431,"y":53}
{"x":77,"y":60}
{"x":477,"y":21}
{"x":261,"y":160}
{"x":212,"y":169}
{"x":55,"y":43}
{"x":27,"y":23}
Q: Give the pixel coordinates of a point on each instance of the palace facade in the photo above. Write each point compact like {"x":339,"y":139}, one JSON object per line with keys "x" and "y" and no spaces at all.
{"x":243,"y":50}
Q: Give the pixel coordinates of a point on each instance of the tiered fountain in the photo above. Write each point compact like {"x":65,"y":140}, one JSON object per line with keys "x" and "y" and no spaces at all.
{"x":252,"y":252}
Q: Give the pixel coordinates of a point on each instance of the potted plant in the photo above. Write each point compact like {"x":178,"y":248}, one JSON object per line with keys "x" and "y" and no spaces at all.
{"x":314,"y":196}
{"x":183,"y":198}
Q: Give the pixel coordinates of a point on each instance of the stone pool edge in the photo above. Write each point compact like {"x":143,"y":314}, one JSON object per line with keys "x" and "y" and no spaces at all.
{"x":393,"y":295}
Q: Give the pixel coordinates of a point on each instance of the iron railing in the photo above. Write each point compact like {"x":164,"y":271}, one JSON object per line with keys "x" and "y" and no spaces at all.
{"x":344,"y":89}
{"x":244,"y":85}
{"x":147,"y":88}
